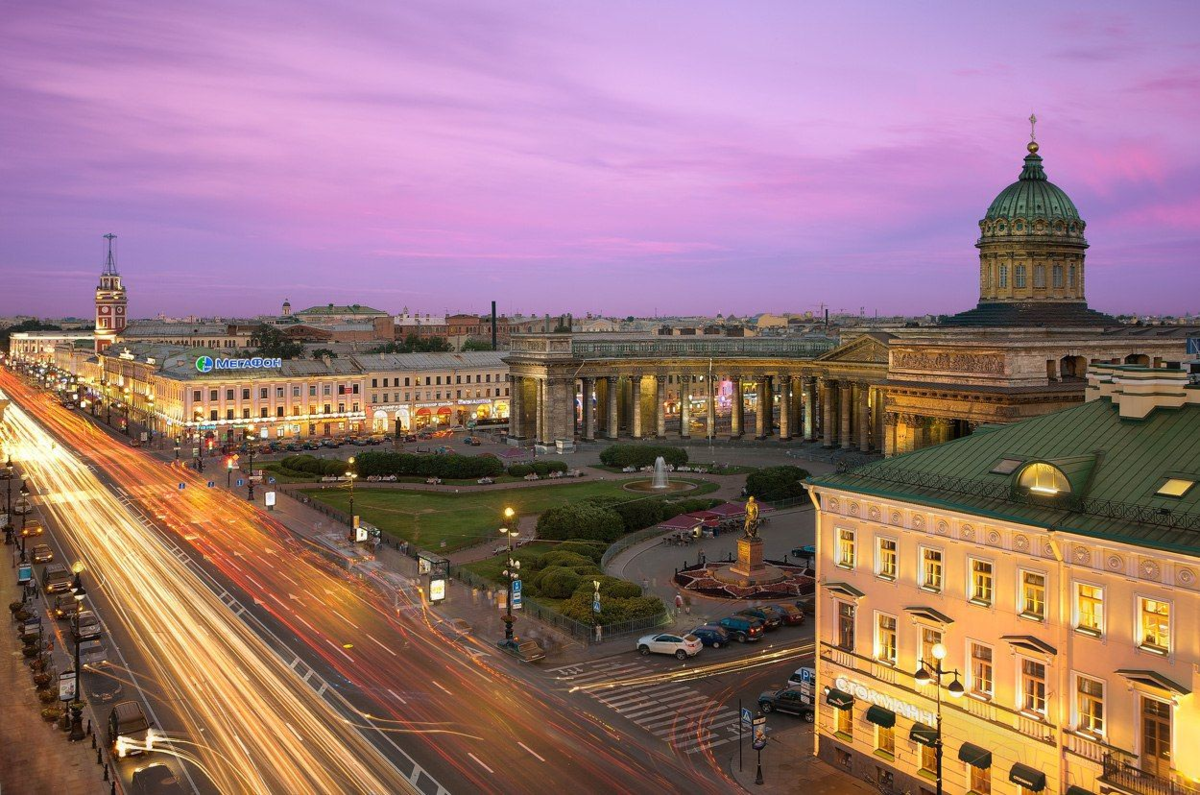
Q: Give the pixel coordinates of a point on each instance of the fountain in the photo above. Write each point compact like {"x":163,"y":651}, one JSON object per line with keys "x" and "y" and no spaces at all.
{"x":659,"y":482}
{"x":660,"y":474}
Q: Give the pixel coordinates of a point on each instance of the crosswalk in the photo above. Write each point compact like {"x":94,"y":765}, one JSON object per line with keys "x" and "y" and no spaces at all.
{"x":668,"y":710}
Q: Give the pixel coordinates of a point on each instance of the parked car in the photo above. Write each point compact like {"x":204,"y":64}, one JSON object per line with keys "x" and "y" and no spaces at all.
{"x":32,"y":527}
{"x":135,"y":442}
{"x":56,"y":578}
{"x":335,"y":442}
{"x":792,"y":615}
{"x":156,"y":779}
{"x":742,"y":628}
{"x":127,"y":725}
{"x":21,"y":507}
{"x":310,"y":445}
{"x":65,"y":605}
{"x":789,"y":701}
{"x":92,"y":652}
{"x":42,"y":553}
{"x":770,"y":618}
{"x":472,"y":441}
{"x":85,"y":625}
{"x":292,"y":447}
{"x":797,"y":677}
{"x":712,"y":635}
{"x":102,"y":688}
{"x":681,"y":646}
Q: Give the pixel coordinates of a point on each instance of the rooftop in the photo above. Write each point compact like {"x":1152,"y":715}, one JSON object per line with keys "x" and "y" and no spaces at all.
{"x":431,"y":361}
{"x":341,"y":309}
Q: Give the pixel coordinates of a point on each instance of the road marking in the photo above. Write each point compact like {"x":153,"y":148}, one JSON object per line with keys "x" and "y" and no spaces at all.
{"x":396,"y":696}
{"x":380,"y":645}
{"x":481,"y":764}
{"x":339,"y":648}
{"x":530,"y":750}
{"x":310,"y":626}
{"x":277,"y":599}
{"x":444,"y":690}
{"x":256,"y":585}
{"x":705,"y":747}
{"x":296,"y":733}
{"x":642,"y":711}
{"x":343,"y":618}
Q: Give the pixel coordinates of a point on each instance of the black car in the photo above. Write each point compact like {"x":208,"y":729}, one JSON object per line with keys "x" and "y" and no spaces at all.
{"x":768,"y":615}
{"x":742,"y":628}
{"x":712,"y":635}
{"x":101,"y":687}
{"x":156,"y":779}
{"x":789,"y":701}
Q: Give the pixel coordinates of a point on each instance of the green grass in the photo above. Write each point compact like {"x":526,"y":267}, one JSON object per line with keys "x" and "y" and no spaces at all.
{"x":729,"y":470}
{"x":272,"y":469}
{"x":429,"y":518}
{"x":490,"y":568}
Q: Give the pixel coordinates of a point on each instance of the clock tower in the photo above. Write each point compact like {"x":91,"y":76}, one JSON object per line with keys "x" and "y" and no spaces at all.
{"x":110,"y":301}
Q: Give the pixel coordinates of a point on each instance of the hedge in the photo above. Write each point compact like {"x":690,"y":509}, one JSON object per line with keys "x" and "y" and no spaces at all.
{"x":636,"y":455}
{"x":776,"y":483}
{"x":540,"y":468}
{"x":450,"y":466}
{"x":311,"y":465}
{"x":580,"y":520}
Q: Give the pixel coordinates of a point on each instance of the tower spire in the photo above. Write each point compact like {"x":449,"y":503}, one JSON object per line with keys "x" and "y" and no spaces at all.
{"x":1033,"y":144}
{"x":110,"y":261}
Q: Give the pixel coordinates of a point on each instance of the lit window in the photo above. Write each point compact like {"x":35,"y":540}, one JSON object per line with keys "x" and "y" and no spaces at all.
{"x":981,"y":780}
{"x":846,"y":626}
{"x":981,"y":670}
{"x":929,"y":639}
{"x":885,"y":739}
{"x":981,"y":581}
{"x":1089,"y":608}
{"x":1156,"y":624}
{"x":845,"y":548}
{"x":1033,"y":595}
{"x":1044,"y":479}
{"x":845,"y":721}
{"x":885,"y":563}
{"x":929,"y":759}
{"x":931,"y":569}
{"x":1175,"y":487}
{"x":1089,"y":705}
{"x":1033,"y":687}
{"x":885,"y":638}
{"x":1006,"y":466}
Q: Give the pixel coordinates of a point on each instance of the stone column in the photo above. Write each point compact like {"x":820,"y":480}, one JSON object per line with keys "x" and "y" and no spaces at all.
{"x":878,"y":415}
{"x":737,"y":415}
{"x":613,"y":385}
{"x":940,"y":430}
{"x":846,"y":404}
{"x":660,"y":407}
{"x":635,"y":424}
{"x":515,"y":405}
{"x":785,"y":407}
{"x":540,"y":418}
{"x":566,"y":392}
{"x":685,"y":406}
{"x":809,"y":387}
{"x":917,"y":434}
{"x":797,"y":428}
{"x":768,"y":407}
{"x":589,"y":411}
{"x":710,"y":405}
{"x":889,"y":434}
{"x":760,"y":411}
{"x":827,"y":430}
{"x":864,"y":411}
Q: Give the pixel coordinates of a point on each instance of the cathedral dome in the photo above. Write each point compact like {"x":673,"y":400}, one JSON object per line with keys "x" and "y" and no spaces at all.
{"x":1033,"y":196}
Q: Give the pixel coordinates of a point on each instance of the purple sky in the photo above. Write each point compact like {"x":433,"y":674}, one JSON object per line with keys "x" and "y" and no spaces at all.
{"x":610,"y":156}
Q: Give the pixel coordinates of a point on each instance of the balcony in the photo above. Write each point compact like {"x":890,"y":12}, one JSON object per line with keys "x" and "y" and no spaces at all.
{"x":1121,"y":772}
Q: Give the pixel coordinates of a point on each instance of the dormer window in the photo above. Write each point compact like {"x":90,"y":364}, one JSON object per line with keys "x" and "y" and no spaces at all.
{"x":1044,"y":479}
{"x":1006,"y":466}
{"x":1175,"y":487}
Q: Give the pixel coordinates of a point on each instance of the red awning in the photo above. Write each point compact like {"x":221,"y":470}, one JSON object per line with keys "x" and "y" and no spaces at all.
{"x":423,"y":412}
{"x":443,"y":410}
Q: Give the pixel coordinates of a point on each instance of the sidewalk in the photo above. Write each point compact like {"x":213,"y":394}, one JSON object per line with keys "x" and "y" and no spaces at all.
{"x":36,"y":757}
{"x":788,"y":766}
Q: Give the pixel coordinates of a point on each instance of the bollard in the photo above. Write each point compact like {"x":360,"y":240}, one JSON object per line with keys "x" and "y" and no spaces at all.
{"x":94,"y":745}
{"x":106,"y":771}
{"x":89,"y":731}
{"x":112,"y":790}
{"x":98,"y":759}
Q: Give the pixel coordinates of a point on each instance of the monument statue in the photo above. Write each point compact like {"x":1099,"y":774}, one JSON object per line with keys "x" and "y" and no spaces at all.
{"x":751,"y":525}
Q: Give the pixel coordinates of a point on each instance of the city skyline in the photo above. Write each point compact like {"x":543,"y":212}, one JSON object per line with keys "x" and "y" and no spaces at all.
{"x":629,"y":161}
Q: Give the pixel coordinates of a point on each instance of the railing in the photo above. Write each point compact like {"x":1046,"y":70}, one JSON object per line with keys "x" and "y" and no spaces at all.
{"x":1121,"y":772}
{"x":804,"y":348}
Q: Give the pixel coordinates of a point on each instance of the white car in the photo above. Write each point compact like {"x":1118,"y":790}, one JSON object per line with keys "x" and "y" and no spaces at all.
{"x":682,"y":646}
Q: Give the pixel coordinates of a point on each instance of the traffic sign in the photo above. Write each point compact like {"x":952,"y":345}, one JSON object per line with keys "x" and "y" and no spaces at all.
{"x":182,"y":486}
{"x":747,"y":716}
{"x":596,"y":604}
{"x":211,"y":483}
{"x":807,"y":674}
{"x":241,"y":482}
{"x":24,"y":574}
{"x":516,"y":592}
{"x":271,"y":481}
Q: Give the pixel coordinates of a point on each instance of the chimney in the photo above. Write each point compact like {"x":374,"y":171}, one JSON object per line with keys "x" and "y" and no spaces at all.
{"x":493,"y":325}
{"x":1137,"y":391}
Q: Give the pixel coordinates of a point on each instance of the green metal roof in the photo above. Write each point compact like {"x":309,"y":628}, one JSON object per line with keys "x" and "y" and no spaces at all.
{"x":1115,"y":466}
{"x":341,"y":309}
{"x":1033,"y":196}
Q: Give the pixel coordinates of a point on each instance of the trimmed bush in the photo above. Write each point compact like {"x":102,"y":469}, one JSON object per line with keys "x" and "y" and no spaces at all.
{"x":581,"y":520}
{"x":450,"y":466}
{"x":776,"y":483}
{"x":593,"y":550}
{"x":563,"y":557}
{"x":636,"y":455}
{"x":612,"y":609}
{"x":539,"y":468}
{"x":557,"y":582}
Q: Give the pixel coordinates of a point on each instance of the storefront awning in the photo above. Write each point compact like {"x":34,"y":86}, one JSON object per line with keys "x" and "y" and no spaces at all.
{"x":881,"y":717}
{"x":1078,"y":791}
{"x":975,"y":756}
{"x":1027,"y":777}
{"x":839,"y":699}
{"x":923,"y":733}
{"x":444,"y":410}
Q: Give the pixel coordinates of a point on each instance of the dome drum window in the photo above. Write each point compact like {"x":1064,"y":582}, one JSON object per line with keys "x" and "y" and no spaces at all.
{"x":1044,"y":479}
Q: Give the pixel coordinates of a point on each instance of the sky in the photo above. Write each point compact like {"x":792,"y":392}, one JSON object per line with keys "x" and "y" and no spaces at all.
{"x":616,"y":157}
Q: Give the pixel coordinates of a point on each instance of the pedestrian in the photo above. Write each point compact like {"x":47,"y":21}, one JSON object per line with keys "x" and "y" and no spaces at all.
{"x":687,"y":605}
{"x":599,"y":634}
{"x":678,"y":603}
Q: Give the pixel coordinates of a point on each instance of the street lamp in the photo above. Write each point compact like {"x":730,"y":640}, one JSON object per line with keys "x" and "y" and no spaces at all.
{"x":24,"y":531}
{"x":76,"y":706}
{"x":935,"y":673}
{"x":511,"y":573}
{"x":351,"y":475}
{"x":228,"y":471}
{"x":8,"y":526}
{"x":250,"y":437}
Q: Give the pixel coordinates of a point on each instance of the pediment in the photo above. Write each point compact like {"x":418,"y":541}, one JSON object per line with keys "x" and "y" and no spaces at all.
{"x":864,"y":349}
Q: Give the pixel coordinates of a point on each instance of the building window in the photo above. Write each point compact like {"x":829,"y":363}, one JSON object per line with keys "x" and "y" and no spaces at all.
{"x":1089,"y":608}
{"x":845,"y":548}
{"x":295,"y":391}
{"x":929,"y":638}
{"x":1155,"y":618}
{"x":228,"y":414}
{"x":929,"y":759}
{"x":981,"y":581}
{"x":262,"y":393}
{"x":312,"y":391}
{"x":245,"y":394}
{"x":981,"y":780}
{"x":245,"y":414}
{"x":325,"y":389}
{"x":279,"y":392}
{"x":406,"y":381}
{"x":1071,"y":276}
{"x":1089,"y":705}
{"x":1004,"y":276}
{"x":458,"y":379}
{"x":195,"y":395}
{"x":1033,"y":595}
{"x":846,"y":626}
{"x":844,"y":722}
{"x":885,"y":739}
{"x":1039,"y":275}
{"x":229,"y":394}
{"x":212,"y":415}
{"x":212,"y":395}
{"x":341,"y":408}
{"x":981,"y":670}
{"x":1044,"y":479}
{"x":1019,"y":277}
{"x":263,"y":412}
{"x":1175,"y":487}
{"x":1058,"y":277}
{"x":1033,"y":687}
{"x":931,"y":569}
{"x":885,"y":558}
{"x":428,"y":380}
{"x":885,"y":638}
{"x":439,"y":380}
{"x":354,"y":389}
{"x":375,"y":385}
{"x":385,"y":382}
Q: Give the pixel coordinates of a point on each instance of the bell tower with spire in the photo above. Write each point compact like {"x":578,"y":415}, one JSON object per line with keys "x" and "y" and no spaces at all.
{"x":110,"y":301}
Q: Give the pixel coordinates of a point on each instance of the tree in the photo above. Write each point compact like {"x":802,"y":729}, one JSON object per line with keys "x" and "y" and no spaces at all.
{"x":321,"y":353}
{"x":269,"y":341}
{"x":776,"y":483}
{"x":26,"y":325}
{"x":477,"y":345}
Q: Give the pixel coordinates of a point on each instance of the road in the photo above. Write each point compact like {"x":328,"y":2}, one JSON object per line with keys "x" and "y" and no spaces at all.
{"x":476,"y":722}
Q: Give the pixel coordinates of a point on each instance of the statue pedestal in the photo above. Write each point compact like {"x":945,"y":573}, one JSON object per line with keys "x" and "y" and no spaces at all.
{"x":749,"y":569}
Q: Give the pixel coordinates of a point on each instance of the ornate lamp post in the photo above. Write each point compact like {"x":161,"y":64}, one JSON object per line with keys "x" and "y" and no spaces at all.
{"x":511,"y":573}
{"x":933,"y":672}
{"x":251,"y":437}
{"x":351,"y":476}
{"x":8,"y":525}
{"x":76,"y":705}
{"x":24,"y":531}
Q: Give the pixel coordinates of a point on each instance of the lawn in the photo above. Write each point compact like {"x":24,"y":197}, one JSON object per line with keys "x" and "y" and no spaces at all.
{"x":430,"y":519}
{"x":491,"y":567}
{"x":272,"y":469}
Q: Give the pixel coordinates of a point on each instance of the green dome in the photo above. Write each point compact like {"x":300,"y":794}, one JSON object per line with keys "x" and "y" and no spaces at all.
{"x":1032,"y":196}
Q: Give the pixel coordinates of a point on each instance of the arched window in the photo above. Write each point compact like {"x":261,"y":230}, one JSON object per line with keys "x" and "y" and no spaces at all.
{"x":1071,"y":276}
{"x":1004,"y":276}
{"x":1044,"y":479}
{"x":1039,"y":275}
{"x":1058,"y":277}
{"x":1019,"y":277}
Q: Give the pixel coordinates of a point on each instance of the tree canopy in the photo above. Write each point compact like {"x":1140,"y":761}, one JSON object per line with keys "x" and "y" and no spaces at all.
{"x":269,"y":341}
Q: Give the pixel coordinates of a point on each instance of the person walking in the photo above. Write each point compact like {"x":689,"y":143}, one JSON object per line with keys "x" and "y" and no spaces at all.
{"x":678,"y":603}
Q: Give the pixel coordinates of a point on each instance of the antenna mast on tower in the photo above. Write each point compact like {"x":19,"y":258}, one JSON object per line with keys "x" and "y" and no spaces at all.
{"x":110,"y":262}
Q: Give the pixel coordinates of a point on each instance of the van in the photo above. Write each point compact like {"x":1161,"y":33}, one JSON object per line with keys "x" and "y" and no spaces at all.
{"x":128,"y":730}
{"x":56,"y":578}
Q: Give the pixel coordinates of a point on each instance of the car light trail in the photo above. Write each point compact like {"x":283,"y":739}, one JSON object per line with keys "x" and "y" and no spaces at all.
{"x":701,"y":671}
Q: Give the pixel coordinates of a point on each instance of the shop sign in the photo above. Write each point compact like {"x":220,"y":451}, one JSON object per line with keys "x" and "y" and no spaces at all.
{"x":861,"y":691}
{"x":437,"y":590}
{"x":206,"y":364}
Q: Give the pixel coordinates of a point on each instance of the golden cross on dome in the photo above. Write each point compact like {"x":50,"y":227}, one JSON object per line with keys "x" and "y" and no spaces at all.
{"x":1032,"y":127}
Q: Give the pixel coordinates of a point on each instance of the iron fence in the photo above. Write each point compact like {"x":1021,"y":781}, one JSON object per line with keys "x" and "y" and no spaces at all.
{"x":1128,"y":776}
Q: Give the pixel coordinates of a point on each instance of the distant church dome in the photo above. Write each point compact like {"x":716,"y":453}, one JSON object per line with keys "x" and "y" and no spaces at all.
{"x":1032,"y":196}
